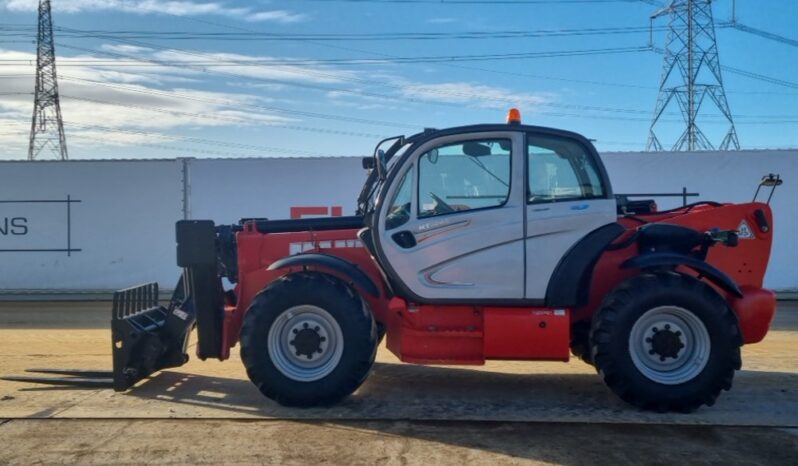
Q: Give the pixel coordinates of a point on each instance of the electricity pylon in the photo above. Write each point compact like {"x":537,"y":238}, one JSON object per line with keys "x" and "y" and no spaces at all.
{"x":47,"y":127}
{"x":690,"y":74}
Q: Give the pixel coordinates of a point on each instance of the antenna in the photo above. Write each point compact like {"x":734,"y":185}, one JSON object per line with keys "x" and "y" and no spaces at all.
{"x":691,"y":73}
{"x":47,"y":126}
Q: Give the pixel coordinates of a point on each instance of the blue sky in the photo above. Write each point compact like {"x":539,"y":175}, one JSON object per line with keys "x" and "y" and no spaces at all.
{"x":123,"y":96}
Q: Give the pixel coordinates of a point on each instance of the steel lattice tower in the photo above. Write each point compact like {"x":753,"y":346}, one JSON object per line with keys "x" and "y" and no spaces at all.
{"x":47,"y":127}
{"x":690,"y":74}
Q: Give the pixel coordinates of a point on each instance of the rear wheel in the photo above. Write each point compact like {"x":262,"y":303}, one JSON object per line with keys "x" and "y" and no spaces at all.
{"x":308,"y":340}
{"x":580,"y":342}
{"x":666,"y":341}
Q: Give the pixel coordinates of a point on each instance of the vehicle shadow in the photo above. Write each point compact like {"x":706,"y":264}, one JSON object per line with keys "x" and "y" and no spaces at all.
{"x":559,"y":418}
{"x":409,"y":392}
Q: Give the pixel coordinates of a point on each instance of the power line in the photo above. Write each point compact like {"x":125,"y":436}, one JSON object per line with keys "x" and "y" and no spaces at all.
{"x":197,"y":140}
{"x":230,"y":118}
{"x":460,"y":66}
{"x":483,"y":2}
{"x":380,"y":36}
{"x":393,"y":124}
{"x":765,"y":119}
{"x":749,"y":74}
{"x":421,"y":88}
{"x":185,"y":149}
{"x":762,"y":33}
{"x":425,"y":89}
{"x":239,"y":105}
{"x":182,"y":64}
{"x":370,"y":61}
{"x":760,"y":77}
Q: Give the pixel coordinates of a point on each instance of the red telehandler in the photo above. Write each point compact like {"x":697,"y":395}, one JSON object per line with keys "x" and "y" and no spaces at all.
{"x":495,"y":241}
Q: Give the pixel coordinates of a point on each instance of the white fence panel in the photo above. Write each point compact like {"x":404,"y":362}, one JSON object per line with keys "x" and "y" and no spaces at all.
{"x":110,"y":224}
{"x":88,"y":225}
{"x":226,"y":190}
{"x":722,"y":177}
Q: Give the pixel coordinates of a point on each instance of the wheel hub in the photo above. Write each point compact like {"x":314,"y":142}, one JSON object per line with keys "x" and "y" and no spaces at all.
{"x":305,"y":343}
{"x":665,"y":342}
{"x":669,"y":345}
{"x":308,"y":341}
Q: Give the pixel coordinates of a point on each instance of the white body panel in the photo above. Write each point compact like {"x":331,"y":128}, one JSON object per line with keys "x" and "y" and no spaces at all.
{"x":551,"y":229}
{"x":501,"y":253}
{"x":476,"y":254}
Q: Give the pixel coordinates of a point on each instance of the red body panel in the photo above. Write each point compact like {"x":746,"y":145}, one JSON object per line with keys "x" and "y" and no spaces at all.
{"x":745,"y":264}
{"x":522,"y":333}
{"x":467,"y":334}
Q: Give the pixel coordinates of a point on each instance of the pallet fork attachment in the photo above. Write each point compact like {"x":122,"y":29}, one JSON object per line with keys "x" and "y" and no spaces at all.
{"x":146,"y":337}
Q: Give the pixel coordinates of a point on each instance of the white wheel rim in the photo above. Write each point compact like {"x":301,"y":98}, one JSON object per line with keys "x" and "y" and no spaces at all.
{"x":669,"y":345}
{"x":305,"y":343}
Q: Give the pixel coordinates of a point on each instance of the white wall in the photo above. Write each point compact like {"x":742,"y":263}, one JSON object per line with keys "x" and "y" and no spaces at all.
{"x":722,"y":177}
{"x":227,"y":190}
{"x":124,"y":223}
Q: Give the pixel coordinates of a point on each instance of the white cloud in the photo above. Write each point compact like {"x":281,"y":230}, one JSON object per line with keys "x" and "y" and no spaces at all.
{"x":257,"y":67}
{"x":441,"y":20}
{"x":121,"y":101}
{"x":153,"y":97}
{"x":174,"y":7}
{"x":280,"y":16}
{"x":477,"y":95}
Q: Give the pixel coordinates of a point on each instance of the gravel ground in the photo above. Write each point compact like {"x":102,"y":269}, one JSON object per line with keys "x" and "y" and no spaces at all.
{"x":502,"y":413}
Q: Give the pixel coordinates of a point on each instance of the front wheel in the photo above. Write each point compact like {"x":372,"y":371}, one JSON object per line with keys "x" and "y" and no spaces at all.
{"x":308,"y":340}
{"x":666,"y":341}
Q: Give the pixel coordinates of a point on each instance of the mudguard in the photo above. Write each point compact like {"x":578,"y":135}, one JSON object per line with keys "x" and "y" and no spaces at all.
{"x":671,"y":259}
{"x":335,"y":264}
{"x":569,"y":285}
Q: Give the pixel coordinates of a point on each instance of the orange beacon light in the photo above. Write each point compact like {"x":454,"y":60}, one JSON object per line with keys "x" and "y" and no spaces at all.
{"x":514,"y":117}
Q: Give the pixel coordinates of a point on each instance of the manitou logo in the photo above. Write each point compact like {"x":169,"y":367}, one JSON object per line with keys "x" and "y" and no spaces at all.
{"x":309,"y":246}
{"x":316,"y":211}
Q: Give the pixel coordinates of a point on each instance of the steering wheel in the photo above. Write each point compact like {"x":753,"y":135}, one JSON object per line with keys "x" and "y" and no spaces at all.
{"x":441,"y":206}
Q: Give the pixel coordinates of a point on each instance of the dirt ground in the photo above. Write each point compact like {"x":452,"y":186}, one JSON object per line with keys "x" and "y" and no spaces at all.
{"x":502,"y":413}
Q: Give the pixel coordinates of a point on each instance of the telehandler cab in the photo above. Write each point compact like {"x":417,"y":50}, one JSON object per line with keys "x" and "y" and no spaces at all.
{"x":494,"y":241}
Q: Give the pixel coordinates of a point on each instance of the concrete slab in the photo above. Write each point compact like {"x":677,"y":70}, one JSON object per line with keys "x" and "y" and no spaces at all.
{"x":765,"y":392}
{"x":236,"y":442}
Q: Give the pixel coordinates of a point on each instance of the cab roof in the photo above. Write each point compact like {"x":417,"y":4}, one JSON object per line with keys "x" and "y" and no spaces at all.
{"x":491,"y":127}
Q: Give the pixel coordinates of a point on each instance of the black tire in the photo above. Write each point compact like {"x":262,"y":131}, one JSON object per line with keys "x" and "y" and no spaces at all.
{"x":351,"y":315}
{"x":580,"y":342}
{"x":611,"y":342}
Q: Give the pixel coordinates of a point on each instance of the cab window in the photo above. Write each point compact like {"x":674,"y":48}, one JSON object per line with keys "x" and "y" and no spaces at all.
{"x":399,"y":212}
{"x":560,"y":170}
{"x":464,"y":176}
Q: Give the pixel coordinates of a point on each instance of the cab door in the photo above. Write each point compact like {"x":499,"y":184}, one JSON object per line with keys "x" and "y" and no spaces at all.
{"x":451,"y":221}
{"x":568,"y":196}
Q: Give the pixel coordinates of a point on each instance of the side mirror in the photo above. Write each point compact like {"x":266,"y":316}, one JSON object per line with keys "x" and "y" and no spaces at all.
{"x":379,"y":160}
